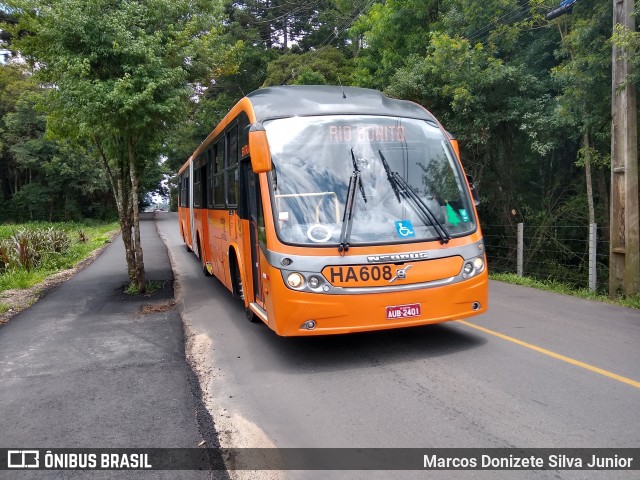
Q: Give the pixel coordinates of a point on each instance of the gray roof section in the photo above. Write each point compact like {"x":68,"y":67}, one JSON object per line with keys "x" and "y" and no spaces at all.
{"x":307,"y":100}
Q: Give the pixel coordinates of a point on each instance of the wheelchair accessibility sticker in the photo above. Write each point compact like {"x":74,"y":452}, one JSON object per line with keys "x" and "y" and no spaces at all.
{"x":405,"y":229}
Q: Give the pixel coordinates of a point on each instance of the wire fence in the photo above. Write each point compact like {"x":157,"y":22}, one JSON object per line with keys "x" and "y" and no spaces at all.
{"x":577,"y":255}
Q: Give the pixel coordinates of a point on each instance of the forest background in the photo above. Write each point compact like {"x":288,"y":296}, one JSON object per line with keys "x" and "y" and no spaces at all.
{"x":528,"y":99}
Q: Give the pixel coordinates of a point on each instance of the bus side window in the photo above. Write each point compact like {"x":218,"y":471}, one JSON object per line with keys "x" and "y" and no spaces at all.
{"x":232,"y":180}
{"x":184,"y":194}
{"x":218,"y":195}
{"x":203,"y":181}
{"x":196,"y":188}
{"x":211,"y":168}
{"x":179,"y":190}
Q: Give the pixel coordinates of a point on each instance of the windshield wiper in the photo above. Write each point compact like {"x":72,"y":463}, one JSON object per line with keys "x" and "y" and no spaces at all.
{"x":402,"y":189}
{"x":390,"y":176}
{"x":347,"y":219}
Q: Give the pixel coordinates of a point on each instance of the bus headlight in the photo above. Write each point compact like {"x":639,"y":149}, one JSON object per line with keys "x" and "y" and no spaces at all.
{"x":314,"y":282}
{"x":295,"y":280}
{"x":473,"y":267}
{"x":478,"y":264}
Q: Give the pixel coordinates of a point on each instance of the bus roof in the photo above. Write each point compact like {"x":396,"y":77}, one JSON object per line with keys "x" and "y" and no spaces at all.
{"x":307,"y":100}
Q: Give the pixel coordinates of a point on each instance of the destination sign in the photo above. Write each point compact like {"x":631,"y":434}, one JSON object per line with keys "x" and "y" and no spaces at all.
{"x":366,"y":133}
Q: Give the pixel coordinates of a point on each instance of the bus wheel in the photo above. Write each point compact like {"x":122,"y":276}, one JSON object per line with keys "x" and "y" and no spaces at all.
{"x":204,"y":264}
{"x":238,"y":290}
{"x":184,"y":239}
{"x":252,"y":317}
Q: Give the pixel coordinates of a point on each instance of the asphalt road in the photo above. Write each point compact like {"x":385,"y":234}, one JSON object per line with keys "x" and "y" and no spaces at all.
{"x":447,"y":385}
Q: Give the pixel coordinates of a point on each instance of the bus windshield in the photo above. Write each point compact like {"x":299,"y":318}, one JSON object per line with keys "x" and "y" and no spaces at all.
{"x":402,"y":176}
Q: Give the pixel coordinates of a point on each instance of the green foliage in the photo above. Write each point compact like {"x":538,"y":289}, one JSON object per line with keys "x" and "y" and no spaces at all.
{"x":41,"y":178}
{"x":325,"y":66}
{"x":279,"y":23}
{"x":584,"y":75}
{"x":393,"y":31}
{"x":151,"y":286}
{"x":132,"y":289}
{"x":28,"y":248}
{"x":118,"y":75}
{"x":629,"y":41}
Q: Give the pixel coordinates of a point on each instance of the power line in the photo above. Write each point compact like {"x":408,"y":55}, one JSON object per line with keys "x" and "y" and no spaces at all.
{"x":346,"y":24}
{"x":299,"y":7}
{"x":507,"y":17}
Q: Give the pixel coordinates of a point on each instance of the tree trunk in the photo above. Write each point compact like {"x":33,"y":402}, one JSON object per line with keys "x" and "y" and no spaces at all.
{"x":139,"y":273}
{"x":125,"y":226}
{"x":587,"y":173}
{"x":285,"y":33}
{"x":125,"y":182}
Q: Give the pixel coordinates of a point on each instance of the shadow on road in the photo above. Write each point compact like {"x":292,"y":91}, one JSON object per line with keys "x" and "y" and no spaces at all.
{"x":339,"y":352}
{"x":357,"y":350}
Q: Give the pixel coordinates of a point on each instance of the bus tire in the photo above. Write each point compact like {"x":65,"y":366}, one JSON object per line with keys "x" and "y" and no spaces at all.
{"x":204,"y":264}
{"x":238,"y":289}
{"x":252,"y":317}
{"x":184,"y":239}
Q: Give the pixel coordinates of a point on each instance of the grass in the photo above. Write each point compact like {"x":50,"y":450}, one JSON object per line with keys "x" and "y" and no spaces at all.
{"x":150,"y":287}
{"x":562,"y":288}
{"x":85,"y":238}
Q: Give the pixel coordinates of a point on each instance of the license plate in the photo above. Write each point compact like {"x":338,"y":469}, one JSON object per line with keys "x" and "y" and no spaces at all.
{"x":403,"y":311}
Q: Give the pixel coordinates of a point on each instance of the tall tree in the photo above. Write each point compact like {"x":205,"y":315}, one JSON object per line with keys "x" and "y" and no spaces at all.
{"x":121,"y":72}
{"x":279,"y":23}
{"x":584,"y":77}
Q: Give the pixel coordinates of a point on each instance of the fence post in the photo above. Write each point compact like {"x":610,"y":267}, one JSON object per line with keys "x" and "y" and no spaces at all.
{"x":520,"y":267}
{"x":593,"y":240}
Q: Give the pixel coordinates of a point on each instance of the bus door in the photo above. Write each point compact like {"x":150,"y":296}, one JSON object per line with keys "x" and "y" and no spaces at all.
{"x":256,"y":228}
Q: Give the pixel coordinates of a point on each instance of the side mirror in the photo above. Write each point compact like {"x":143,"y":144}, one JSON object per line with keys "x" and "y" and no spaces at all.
{"x":259,"y":151}
{"x":474,"y":192}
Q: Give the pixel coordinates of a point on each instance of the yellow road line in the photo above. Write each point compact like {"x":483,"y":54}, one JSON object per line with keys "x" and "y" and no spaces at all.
{"x":578,"y":363}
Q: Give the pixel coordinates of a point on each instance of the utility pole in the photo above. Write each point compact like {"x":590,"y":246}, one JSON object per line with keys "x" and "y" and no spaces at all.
{"x":624,"y":258}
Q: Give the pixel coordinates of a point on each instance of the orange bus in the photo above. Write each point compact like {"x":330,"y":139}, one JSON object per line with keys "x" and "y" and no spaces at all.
{"x":331,"y":210}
